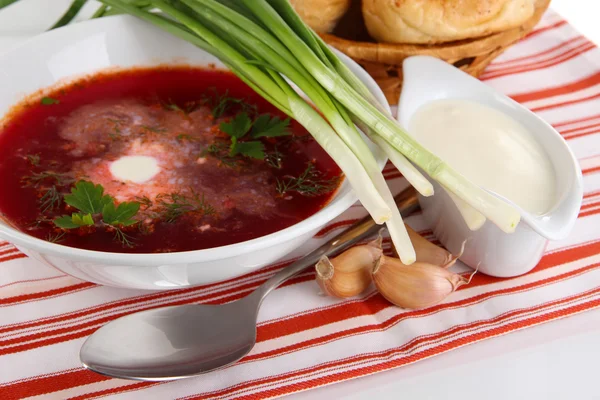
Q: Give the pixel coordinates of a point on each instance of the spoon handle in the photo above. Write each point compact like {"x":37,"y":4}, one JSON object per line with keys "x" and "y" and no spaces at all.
{"x":406,"y":202}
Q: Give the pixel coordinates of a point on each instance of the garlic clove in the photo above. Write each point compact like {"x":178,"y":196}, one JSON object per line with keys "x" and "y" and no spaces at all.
{"x":428,"y":252}
{"x":348,"y":274}
{"x":419,"y":285}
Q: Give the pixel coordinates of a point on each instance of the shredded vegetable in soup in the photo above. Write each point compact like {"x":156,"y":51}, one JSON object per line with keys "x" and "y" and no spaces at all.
{"x":161,"y":159}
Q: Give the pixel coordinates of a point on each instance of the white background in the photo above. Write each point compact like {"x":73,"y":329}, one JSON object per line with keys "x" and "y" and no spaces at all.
{"x":557,"y":360}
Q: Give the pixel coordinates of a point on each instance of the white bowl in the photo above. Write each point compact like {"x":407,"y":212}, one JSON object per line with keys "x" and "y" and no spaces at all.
{"x":496,"y":253}
{"x":124,"y":41}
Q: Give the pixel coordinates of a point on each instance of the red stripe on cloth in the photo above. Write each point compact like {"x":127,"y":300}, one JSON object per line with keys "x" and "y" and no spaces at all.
{"x":136,"y":300}
{"x":413,"y":344}
{"x":87,"y":328}
{"x":49,"y":384}
{"x":482,"y":296}
{"x":269,"y":331}
{"x":502,"y":64}
{"x":558,"y":125}
{"x":88,"y":377}
{"x":376,"y":304}
{"x":9,"y":251}
{"x":537,"y":32}
{"x":559,"y":59}
{"x":590,"y":205}
{"x":590,"y":170}
{"x":582,"y":134}
{"x":558,"y":90}
{"x":566,"y":132}
{"x":32,"y":280}
{"x":589,"y":213}
{"x":49,"y":293}
{"x":445,"y":347}
{"x":591,"y":194}
{"x":565,"y":103}
{"x":12,"y":257}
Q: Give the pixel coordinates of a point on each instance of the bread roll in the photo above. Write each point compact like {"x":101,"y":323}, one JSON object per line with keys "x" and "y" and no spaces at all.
{"x":321,"y":15}
{"x":437,"y":21}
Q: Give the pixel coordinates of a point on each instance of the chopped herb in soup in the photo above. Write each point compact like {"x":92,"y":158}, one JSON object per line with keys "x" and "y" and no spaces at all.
{"x":162,"y":159}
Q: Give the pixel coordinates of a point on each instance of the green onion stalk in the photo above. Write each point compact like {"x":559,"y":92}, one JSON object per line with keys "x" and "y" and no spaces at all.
{"x":6,"y":3}
{"x":495,"y":209}
{"x":331,"y":60}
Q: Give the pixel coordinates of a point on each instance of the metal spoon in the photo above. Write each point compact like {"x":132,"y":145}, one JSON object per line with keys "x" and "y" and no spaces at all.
{"x":183,"y":341}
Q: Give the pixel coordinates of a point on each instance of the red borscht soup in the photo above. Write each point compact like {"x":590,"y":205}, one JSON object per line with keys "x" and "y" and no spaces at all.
{"x":158,"y":160}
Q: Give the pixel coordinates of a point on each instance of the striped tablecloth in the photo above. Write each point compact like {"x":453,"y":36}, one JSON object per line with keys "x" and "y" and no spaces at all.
{"x":306,"y":340}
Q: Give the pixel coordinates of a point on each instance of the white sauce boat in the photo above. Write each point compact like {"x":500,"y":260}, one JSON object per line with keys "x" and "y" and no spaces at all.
{"x":495,"y":253}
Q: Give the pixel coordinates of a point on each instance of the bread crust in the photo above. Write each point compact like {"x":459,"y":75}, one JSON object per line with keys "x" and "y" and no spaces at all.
{"x":321,"y":15}
{"x":438,"y":21}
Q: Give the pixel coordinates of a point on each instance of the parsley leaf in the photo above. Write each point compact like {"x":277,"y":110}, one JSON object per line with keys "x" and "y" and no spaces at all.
{"x":120,"y":215}
{"x":76,"y":220}
{"x":265,"y":126}
{"x":238,"y":127}
{"x":87,"y":197}
{"x":48,"y":101}
{"x":254,"y":149}
{"x":91,"y":200}
{"x":65,"y":222}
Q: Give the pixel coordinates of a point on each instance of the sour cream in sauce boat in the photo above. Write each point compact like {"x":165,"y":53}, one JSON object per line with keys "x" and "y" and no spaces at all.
{"x":549,"y":205}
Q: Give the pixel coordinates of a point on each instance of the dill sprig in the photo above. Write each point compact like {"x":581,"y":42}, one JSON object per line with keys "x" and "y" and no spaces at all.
{"x":175,"y":205}
{"x":50,"y":200}
{"x":144,"y":201}
{"x":39,"y":221}
{"x":34,"y":159}
{"x":37,"y":178}
{"x":125,"y":239}
{"x":55,"y":237}
{"x":222,"y":103}
{"x":274,"y":158}
{"x":310,"y":183}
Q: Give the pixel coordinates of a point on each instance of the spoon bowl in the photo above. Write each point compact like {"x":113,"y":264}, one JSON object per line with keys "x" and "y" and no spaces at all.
{"x":173,"y":342}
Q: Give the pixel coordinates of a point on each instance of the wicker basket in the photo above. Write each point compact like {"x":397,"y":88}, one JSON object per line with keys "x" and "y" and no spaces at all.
{"x":383,"y":61}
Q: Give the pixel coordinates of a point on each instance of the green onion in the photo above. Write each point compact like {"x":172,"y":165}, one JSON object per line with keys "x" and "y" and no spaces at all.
{"x":494,"y":208}
{"x":6,"y":3}
{"x":328,"y":57}
{"x":100,"y":11}
{"x":71,"y":13}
